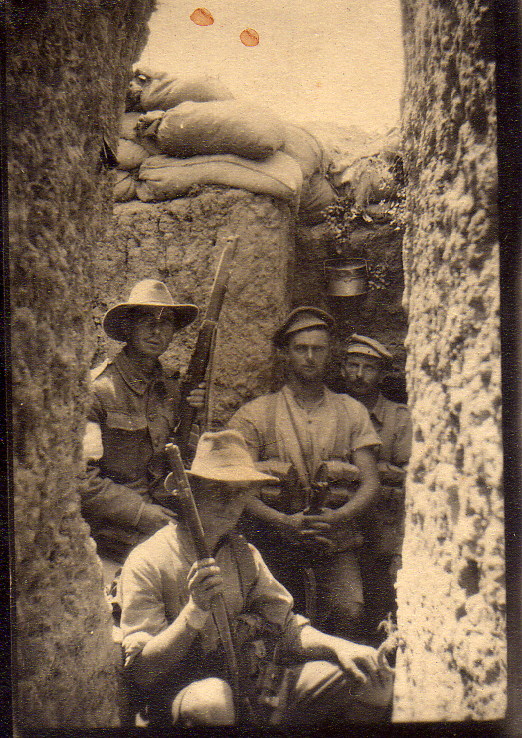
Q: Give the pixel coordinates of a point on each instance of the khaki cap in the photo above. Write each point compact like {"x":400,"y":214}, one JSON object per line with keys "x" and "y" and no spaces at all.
{"x":367,"y":347}
{"x":149,"y":293}
{"x":300,"y":319}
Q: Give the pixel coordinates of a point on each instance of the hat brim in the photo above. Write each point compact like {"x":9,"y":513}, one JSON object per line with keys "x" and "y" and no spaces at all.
{"x":183,"y":315}
{"x":231,"y":474}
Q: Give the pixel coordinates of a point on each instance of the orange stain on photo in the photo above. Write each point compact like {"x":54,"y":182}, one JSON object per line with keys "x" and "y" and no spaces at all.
{"x":249,"y":37}
{"x":202,"y":17}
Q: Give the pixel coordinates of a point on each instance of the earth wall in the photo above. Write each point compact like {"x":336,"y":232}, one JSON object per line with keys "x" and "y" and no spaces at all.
{"x":451,"y":592}
{"x":67,"y":70}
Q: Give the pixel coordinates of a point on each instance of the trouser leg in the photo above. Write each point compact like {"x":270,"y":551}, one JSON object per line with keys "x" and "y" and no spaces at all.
{"x":205,"y":702}
{"x":339,"y":594}
{"x":325,"y":695}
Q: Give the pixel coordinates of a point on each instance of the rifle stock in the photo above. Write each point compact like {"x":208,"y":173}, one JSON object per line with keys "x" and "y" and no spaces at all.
{"x":200,"y":359}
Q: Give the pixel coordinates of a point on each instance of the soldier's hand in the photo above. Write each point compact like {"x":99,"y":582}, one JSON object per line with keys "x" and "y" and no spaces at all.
{"x":374,"y":674}
{"x":291,"y":525}
{"x":204,"y":582}
{"x":153,"y":517}
{"x":196,"y":398}
{"x":319,"y":528}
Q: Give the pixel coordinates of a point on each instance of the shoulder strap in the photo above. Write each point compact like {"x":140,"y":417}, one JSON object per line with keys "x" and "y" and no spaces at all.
{"x":245,"y":563}
{"x":270,"y":449}
{"x":344,"y":422}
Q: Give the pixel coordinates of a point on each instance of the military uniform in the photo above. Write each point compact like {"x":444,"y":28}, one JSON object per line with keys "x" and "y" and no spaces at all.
{"x":137,"y":415}
{"x":329,"y":433}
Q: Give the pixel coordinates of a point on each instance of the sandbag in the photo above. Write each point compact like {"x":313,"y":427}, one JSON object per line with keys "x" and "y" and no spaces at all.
{"x":129,"y":132}
{"x":130,"y":155}
{"x":165,"y":178}
{"x":315,"y":197}
{"x":219,"y":127}
{"x":369,"y":180}
{"x":124,"y":186}
{"x":168,"y":92}
{"x":128,"y":123}
{"x":305,"y":149}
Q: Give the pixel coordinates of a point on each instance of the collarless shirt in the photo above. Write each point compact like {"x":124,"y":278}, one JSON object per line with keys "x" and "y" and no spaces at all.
{"x":335,"y":427}
{"x":153,"y":587}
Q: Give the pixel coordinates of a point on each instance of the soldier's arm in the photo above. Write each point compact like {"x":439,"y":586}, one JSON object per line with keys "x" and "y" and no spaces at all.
{"x":102,"y":499}
{"x":364,"y":460}
{"x":393,"y":472}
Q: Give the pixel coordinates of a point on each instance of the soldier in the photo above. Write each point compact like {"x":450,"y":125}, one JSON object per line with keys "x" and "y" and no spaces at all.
{"x":133,"y":416}
{"x":171,"y":641}
{"x":364,"y":362}
{"x":323,"y":437}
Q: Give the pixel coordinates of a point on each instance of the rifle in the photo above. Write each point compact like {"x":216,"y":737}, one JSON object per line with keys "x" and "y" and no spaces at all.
{"x":199,"y":361}
{"x":191,"y":517}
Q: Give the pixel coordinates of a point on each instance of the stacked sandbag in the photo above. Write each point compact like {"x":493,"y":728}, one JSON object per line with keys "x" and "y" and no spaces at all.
{"x":372,"y":176}
{"x":152,"y":89}
{"x":362,"y":167}
{"x":184,"y":133}
{"x":167,"y":177}
{"x":216,"y":127}
{"x":131,"y":152}
{"x":317,"y":193}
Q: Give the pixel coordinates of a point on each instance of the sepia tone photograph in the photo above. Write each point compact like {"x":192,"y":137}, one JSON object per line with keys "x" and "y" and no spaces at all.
{"x":254,"y":264}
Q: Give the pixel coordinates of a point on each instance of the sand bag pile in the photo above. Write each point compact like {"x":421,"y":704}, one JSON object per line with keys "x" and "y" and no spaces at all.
{"x":180,"y":133}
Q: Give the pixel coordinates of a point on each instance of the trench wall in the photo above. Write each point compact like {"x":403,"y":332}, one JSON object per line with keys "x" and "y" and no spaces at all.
{"x":66,"y":79}
{"x":451,"y":588}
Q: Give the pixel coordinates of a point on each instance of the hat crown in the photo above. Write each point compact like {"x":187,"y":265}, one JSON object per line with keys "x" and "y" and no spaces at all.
{"x":368,"y":347}
{"x":303,"y":318}
{"x":150,"y":292}
{"x":224,"y":456}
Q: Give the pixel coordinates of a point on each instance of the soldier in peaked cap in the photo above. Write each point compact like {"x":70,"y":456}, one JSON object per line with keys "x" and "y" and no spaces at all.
{"x":170,"y":638}
{"x":133,"y":415}
{"x":308,"y":434}
{"x":364,"y":362}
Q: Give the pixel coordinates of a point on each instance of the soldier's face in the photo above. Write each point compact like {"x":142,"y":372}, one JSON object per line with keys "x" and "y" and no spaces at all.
{"x":223,"y":502}
{"x":362,"y":373}
{"x":150,"y":333}
{"x":307,"y":353}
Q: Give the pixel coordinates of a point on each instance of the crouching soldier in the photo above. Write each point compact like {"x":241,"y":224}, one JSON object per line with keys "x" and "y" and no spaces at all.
{"x":133,"y":415}
{"x":170,"y":636}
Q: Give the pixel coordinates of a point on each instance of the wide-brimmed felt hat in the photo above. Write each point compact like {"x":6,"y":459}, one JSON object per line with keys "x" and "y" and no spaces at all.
{"x":365,"y":346}
{"x":149,"y":293}
{"x":300,"y":319}
{"x":223,"y":457}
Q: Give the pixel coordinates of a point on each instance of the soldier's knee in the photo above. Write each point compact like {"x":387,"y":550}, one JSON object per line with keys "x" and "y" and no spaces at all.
{"x":207,"y":702}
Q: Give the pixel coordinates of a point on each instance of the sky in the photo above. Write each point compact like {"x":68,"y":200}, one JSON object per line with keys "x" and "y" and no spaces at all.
{"x":317,"y":60}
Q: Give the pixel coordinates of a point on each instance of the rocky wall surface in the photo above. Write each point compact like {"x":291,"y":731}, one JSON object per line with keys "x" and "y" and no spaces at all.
{"x":180,"y":242}
{"x":452,"y":662}
{"x":66,"y":76}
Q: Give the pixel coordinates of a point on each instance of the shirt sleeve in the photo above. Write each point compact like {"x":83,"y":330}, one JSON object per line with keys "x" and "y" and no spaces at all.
{"x":364,"y":433}
{"x":101,"y":498}
{"x":245,"y":421}
{"x":269,"y":598}
{"x":142,"y":607}
{"x":403,"y":437}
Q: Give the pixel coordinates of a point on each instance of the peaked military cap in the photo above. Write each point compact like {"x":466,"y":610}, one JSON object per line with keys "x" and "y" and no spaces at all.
{"x":367,"y":347}
{"x":300,"y":319}
{"x":149,"y":293}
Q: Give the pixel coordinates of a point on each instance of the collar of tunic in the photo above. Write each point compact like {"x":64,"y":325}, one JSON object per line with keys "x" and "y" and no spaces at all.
{"x":133,"y":375}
